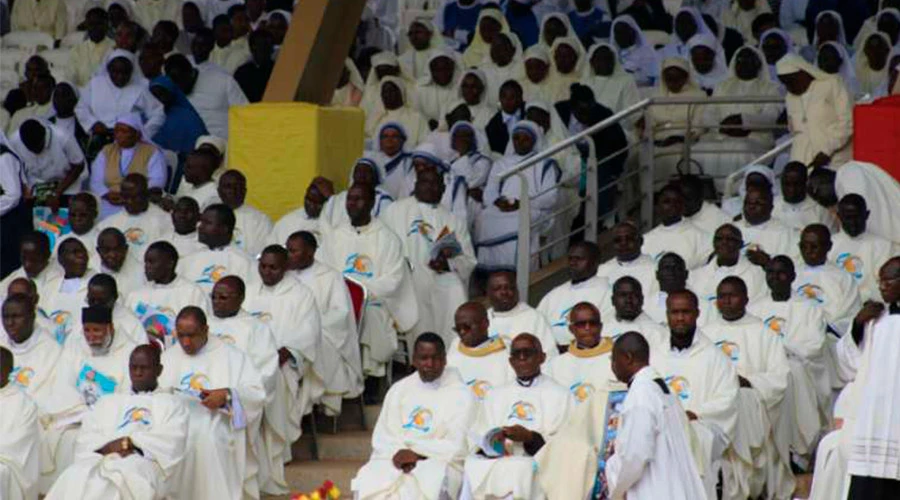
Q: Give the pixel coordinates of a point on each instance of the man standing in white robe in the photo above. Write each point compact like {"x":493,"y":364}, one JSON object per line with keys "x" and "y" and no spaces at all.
{"x":521,"y":416}
{"x":824,"y":284}
{"x":629,"y":261}
{"x":251,"y":227}
{"x":340,"y":339}
{"x":761,"y":363}
{"x":801,"y":328}
{"x":141,"y":222}
{"x":65,"y":296}
{"x":19,"y":426}
{"x":652,"y":457}
{"x":482,"y":362}
{"x":119,"y":261}
{"x":675,"y":234}
{"x":419,"y":442}
{"x":584,"y":368}
{"x":795,"y":208}
{"x":221,"y":256}
{"x":225,"y":395}
{"x":629,"y":315}
{"x":704,"y":381}
{"x":510,"y":317}
{"x":727,"y":261}
{"x":857,"y":250}
{"x":764,"y":235}
{"x":130,"y":444}
{"x":289,"y":308}
{"x":367,"y":251}
{"x":305,"y":218}
{"x":157,"y":303}
{"x":440,"y":278}
{"x":583,"y":286}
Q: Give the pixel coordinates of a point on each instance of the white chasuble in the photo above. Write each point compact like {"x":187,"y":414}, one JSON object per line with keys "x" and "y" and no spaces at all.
{"x":583,"y":371}
{"x":155,"y":422}
{"x":799,"y":215}
{"x":832,"y":290}
{"x":20,"y":446}
{"x":219,"y":461}
{"x":130,"y":276}
{"x":772,"y":237}
{"x":251,"y":230}
{"x":429,"y":418}
{"x":63,"y":302}
{"x":482,"y":368}
{"x":140,"y":230}
{"x":556,"y":305}
{"x":655,"y":334}
{"x":643,"y":269}
{"x":290,"y":223}
{"x":208,"y":266}
{"x":861,"y":257}
{"x":705,"y":281}
{"x":683,"y":238}
{"x":522,"y":318}
{"x":157,"y":305}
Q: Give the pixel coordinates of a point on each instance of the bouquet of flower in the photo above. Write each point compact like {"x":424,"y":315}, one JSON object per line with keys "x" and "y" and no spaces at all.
{"x":328,"y":491}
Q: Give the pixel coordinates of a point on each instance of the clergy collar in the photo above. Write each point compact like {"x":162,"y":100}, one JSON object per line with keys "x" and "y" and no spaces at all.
{"x":486,"y":348}
{"x":736,"y":320}
{"x":679,"y":222}
{"x":533,"y":382}
{"x":585,"y":283}
{"x":603,"y":347}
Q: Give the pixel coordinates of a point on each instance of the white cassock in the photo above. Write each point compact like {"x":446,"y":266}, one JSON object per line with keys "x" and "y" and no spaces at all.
{"x":881,"y":192}
{"x":683,"y":238}
{"x":419,"y":225}
{"x":799,"y":215}
{"x":251,"y":229}
{"x":290,"y":223}
{"x":706,"y":384}
{"x":772,"y":237}
{"x":833,"y":290}
{"x":556,"y":305}
{"x":340,"y":339}
{"x":157,"y":305}
{"x":373,"y":256}
{"x":705,"y":281}
{"x":652,"y":458}
{"x":155,"y":422}
{"x":289,"y":309}
{"x":208,"y":266}
{"x":654,"y":333}
{"x":41,"y":280}
{"x":219,"y":462}
{"x":255,"y":339}
{"x":185,"y":244}
{"x":642,"y":269}
{"x":20,"y":446}
{"x":543,"y":407}
{"x":431,"y":419}
{"x":130,"y":276}
{"x":862,"y":258}
{"x":759,"y":357}
{"x":583,"y":371}
{"x":62,"y":302}
{"x":710,"y":218}
{"x":523,"y":318}
{"x":204,"y":194}
{"x":140,"y":230}
{"x":482,"y":368}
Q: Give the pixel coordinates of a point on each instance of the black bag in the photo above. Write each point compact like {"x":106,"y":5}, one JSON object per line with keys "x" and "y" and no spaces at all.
{"x":709,"y":185}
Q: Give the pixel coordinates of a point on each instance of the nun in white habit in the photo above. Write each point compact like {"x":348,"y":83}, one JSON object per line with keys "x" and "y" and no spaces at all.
{"x":685,"y":17}
{"x":638,"y":57}
{"x":832,"y":58}
{"x":391,"y":154}
{"x":472,"y":89}
{"x":471,"y":162}
{"x":708,"y":66}
{"x":414,"y":61}
{"x":871,"y":62}
{"x":775,"y":44}
{"x":384,"y":64}
{"x":502,"y":64}
{"x":550,"y":29}
{"x":535,"y":74}
{"x":567,"y":55}
{"x":437,"y":86}
{"x":395,"y":106}
{"x":117,"y":89}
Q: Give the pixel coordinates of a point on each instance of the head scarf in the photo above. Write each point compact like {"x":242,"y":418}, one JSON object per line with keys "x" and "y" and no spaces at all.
{"x":639,"y":60}
{"x":742,"y":20}
{"x":719,"y":71}
{"x":428,"y":152}
{"x":438,"y":53}
{"x":890,"y":11}
{"x":870,"y":79}
{"x":846,"y":71}
{"x":679,"y":47}
{"x":220,"y":145}
{"x":355,"y":77}
{"x":789,"y":46}
{"x":479,"y":141}
{"x":532,"y":129}
{"x":842,"y":35}
{"x":479,"y":49}
{"x":573,"y":42}
{"x":393,"y":126}
{"x":766,"y":172}
{"x":106,"y":101}
{"x":283,"y":13}
{"x":689,"y":87}
{"x":609,"y":90}
{"x":400,"y":85}
{"x":793,"y":63}
{"x":183,"y":126}
{"x":127,"y":5}
{"x":477,"y":73}
{"x":541,"y":53}
{"x":379,"y":175}
{"x":372,"y":84}
{"x":760,"y":85}
{"x":558,"y":130}
{"x":559,"y":17}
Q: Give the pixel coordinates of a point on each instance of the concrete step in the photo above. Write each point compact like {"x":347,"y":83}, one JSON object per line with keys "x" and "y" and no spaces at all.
{"x":345,"y":445}
{"x":349,"y":419}
{"x":305,"y":476}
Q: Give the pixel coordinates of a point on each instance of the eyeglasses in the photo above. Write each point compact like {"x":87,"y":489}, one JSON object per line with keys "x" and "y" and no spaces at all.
{"x":586,"y":323}
{"x":523,"y":353}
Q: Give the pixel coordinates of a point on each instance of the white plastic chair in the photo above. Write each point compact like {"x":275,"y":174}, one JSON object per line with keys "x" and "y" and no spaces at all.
{"x":72,"y":39}
{"x":32,"y":41}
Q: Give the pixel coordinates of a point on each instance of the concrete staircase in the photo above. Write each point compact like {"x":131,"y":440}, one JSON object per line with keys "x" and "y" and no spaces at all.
{"x":341,"y":454}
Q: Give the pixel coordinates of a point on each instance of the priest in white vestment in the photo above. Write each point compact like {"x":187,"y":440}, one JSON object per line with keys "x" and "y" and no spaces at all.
{"x":762,"y":233}
{"x":305,"y":218}
{"x":728,"y":261}
{"x":344,"y":378}
{"x":856,"y":250}
{"x":130,"y":444}
{"x":183,"y":234}
{"x":440,"y":267}
{"x":141,"y":222}
{"x":65,"y":296}
{"x":200,"y":169}
{"x":34,"y":253}
{"x":222,"y":256}
{"x":652,"y":457}
{"x":629,"y":316}
{"x":824,"y":284}
{"x":82,"y":222}
{"x":697,"y":210}
{"x":759,"y":358}
{"x":157,"y":303}
{"x":516,"y":421}
{"x":510,"y":317}
{"x":225,"y":396}
{"x":583,"y":286}
{"x":795,"y":208}
{"x":629,"y":259}
{"x":675,"y":234}
{"x":482,"y":362}
{"x":671,"y":276}
{"x":367,"y":251}
{"x":705,"y":382}
{"x":419,"y":442}
{"x":20,"y":428}
{"x":584,"y":368}
{"x":234,"y":326}
{"x":251,"y":227}
{"x":119,"y":261}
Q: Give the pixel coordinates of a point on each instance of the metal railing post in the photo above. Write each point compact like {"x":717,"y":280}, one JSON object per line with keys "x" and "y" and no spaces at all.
{"x":646,"y":160}
{"x":592,"y":195}
{"x":523,"y":243}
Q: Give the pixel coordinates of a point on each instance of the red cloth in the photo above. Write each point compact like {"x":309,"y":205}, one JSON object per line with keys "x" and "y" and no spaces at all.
{"x":876,"y":134}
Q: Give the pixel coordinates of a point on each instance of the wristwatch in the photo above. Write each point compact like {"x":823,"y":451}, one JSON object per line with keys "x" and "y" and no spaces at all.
{"x":124,"y":444}
{"x":228,"y":397}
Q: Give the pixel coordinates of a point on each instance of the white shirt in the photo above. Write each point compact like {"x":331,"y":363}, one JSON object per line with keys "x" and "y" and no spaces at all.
{"x":10,"y":183}
{"x":51,"y":164}
{"x":211,"y":96}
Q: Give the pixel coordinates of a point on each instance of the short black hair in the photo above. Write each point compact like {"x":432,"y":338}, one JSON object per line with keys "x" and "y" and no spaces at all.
{"x":734,"y":281}
{"x":223,"y":213}
{"x":237,"y":281}
{"x":115,"y":233}
{"x":635,"y":344}
{"x":277,"y":250}
{"x":630,"y":280}
{"x":87,"y":198}
{"x":105,"y":281}
{"x":855,"y":200}
{"x":592,"y":249}
{"x":33,"y":135}
{"x":430,"y":338}
{"x":165,"y":248}
{"x":177,"y":62}
{"x":305,"y":236}
{"x":38,"y":239}
{"x":512,"y":84}
{"x":193,"y":312}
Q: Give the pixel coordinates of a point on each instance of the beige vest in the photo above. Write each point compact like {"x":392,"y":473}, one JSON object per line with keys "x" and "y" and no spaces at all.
{"x":113,"y":153}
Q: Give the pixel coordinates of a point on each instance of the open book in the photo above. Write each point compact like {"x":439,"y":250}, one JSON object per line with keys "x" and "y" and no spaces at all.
{"x":493,"y":443}
{"x":446,"y":239}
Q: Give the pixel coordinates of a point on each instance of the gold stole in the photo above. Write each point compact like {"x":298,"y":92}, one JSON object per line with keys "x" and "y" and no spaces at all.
{"x":605,"y":346}
{"x":480,"y":352}
{"x":113,"y":153}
